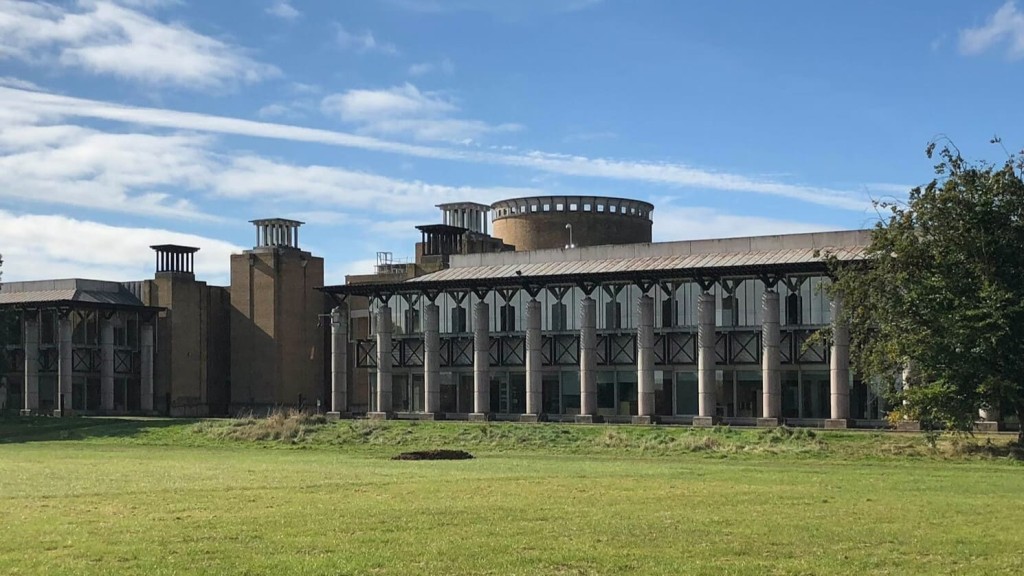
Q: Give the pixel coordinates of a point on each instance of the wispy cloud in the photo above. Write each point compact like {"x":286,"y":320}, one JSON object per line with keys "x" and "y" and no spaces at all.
{"x":283,"y":9}
{"x":508,"y":10}
{"x":444,"y":66}
{"x":19,"y":83}
{"x":1005,"y":26}
{"x":50,"y":246}
{"x":668,"y":174}
{"x":675,"y":222}
{"x":109,"y":38}
{"x":405,"y":110}
{"x":363,"y":41}
{"x":256,"y":178}
{"x":128,"y":173}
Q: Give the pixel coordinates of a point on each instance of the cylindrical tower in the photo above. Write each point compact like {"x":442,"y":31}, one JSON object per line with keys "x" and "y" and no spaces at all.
{"x":540,"y":222}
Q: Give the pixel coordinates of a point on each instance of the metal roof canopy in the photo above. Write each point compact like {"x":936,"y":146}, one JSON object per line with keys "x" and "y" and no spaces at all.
{"x":78,"y":305}
{"x":583,"y":272}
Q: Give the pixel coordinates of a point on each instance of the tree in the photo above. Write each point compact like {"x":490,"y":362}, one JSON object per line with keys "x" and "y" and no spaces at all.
{"x":941,"y":292}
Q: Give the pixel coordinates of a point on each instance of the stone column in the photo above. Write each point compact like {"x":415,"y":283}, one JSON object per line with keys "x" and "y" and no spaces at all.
{"x":771,"y":382}
{"x":906,"y":424}
{"x":588,"y":360}
{"x":147,"y":366}
{"x":645,"y":360}
{"x":534,"y":360}
{"x":65,"y":352}
{"x":432,"y":359}
{"x":107,"y":365}
{"x":481,"y":361}
{"x":384,"y":346}
{"x":839,"y":381}
{"x":705,"y":360}
{"x":339,"y":362}
{"x":31,"y":363}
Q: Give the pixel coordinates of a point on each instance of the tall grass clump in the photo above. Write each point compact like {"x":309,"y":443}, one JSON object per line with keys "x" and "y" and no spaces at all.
{"x":279,"y":425}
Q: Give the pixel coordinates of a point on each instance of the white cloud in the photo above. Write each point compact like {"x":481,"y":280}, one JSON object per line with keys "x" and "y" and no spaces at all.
{"x":283,"y":9}
{"x":1006,"y":25}
{"x":445,"y":66}
{"x":372,"y":105}
{"x":278,"y":110}
{"x":698,"y":223}
{"x":75,"y":166}
{"x":257,"y":178}
{"x":19,"y":83}
{"x":48,"y":246}
{"x":508,"y":10}
{"x":362,"y":41}
{"x":108,"y":38}
{"x":13,"y":101}
{"x":405,"y":110}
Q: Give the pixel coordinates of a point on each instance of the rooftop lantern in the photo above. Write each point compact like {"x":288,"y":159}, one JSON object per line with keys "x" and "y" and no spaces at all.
{"x":277,"y":233}
{"x":175,"y":259}
{"x":468,"y":215}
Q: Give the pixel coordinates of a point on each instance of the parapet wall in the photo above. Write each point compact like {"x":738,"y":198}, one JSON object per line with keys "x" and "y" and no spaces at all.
{"x":540,"y":222}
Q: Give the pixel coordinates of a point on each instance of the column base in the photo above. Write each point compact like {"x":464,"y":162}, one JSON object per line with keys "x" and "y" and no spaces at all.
{"x":428,"y":416}
{"x":704,"y":421}
{"x":838,"y":424}
{"x":645,"y":420}
{"x":62,"y":413}
{"x":530,"y":418}
{"x":586,"y":419}
{"x":987,"y":426}
{"x":24,"y":412}
{"x":338,"y":415}
{"x":479,"y":417}
{"x":378,"y":415}
{"x":908,"y":426}
{"x":770,"y":422}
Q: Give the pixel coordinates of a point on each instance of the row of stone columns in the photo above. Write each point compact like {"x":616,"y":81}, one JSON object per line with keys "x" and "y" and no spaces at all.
{"x":706,"y":365}
{"x":65,"y":368}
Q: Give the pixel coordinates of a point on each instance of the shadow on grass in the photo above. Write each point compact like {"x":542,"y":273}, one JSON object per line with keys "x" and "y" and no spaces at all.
{"x":24,"y":429}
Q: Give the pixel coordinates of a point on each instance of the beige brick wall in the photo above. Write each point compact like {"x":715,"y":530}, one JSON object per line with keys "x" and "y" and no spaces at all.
{"x":536,"y":231}
{"x":276,"y":345}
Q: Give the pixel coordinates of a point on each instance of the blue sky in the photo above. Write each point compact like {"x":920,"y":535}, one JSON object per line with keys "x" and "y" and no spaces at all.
{"x":125,"y":123}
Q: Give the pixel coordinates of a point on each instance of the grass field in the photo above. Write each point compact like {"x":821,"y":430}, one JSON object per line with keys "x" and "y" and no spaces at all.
{"x":95,"y":496}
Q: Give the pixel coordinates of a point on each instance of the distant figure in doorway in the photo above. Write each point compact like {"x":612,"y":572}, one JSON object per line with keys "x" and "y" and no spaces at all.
{"x":3,"y":394}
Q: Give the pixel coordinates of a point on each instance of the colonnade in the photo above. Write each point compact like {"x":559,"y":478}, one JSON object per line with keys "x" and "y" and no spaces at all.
{"x":771,"y":413}
{"x":65,"y":364}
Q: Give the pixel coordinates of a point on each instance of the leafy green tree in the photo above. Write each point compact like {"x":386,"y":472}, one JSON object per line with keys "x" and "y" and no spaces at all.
{"x":942,"y":291}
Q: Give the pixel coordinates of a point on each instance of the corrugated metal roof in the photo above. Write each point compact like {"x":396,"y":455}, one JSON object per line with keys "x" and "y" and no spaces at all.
{"x":108,"y":298}
{"x":649,"y":264}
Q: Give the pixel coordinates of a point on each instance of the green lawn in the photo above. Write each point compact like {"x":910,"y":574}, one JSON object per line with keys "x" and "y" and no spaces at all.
{"x":170,"y":497}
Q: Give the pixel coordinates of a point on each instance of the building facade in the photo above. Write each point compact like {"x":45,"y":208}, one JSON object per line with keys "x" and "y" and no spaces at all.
{"x":172,"y":344}
{"x":688,"y":332}
{"x":543,"y":308}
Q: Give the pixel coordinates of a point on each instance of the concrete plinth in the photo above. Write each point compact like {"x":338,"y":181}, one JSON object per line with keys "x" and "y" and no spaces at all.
{"x":645,"y":420}
{"x":703,"y":421}
{"x":428,"y":416}
{"x":377,"y":415}
{"x":838,"y":424}
{"x":986,"y":426}
{"x":529,"y":418}
{"x":908,"y":426}
{"x":62,"y":413}
{"x":479,"y":417}
{"x":586,"y":419}
{"x":770,"y":422}
{"x":25,"y":412}
{"x":338,"y":415}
